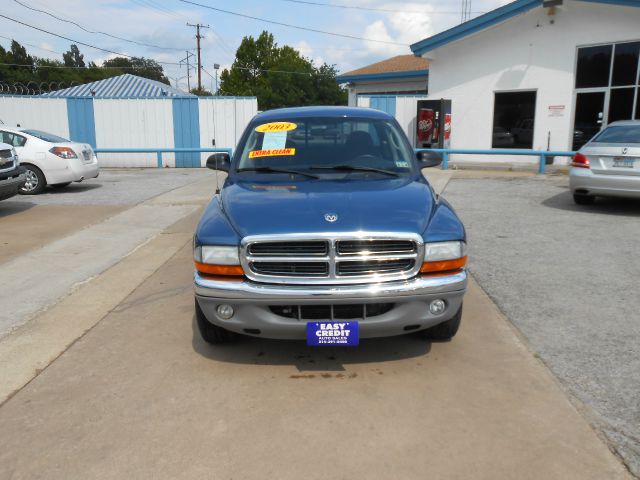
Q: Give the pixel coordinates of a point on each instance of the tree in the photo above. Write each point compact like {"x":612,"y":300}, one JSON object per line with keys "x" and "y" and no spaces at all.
{"x":73,"y":57}
{"x":143,"y":67}
{"x":280,"y":76}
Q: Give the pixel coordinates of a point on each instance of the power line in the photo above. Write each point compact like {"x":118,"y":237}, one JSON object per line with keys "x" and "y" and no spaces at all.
{"x":352,"y":37}
{"x":32,"y":45}
{"x":37,"y":65}
{"x":95,"y":32}
{"x":373,"y":9}
{"x":76,"y":41}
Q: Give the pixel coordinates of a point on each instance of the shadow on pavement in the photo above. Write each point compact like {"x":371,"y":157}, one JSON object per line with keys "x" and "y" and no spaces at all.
{"x":73,"y":188}
{"x":261,"y":351}
{"x":626,"y":207}
{"x":11,"y":208}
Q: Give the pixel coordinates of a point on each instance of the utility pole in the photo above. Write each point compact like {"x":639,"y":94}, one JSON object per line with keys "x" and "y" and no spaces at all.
{"x":186,"y":60}
{"x":198,"y":37}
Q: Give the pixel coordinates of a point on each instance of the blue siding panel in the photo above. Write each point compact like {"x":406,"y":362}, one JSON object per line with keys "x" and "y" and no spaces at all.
{"x":186,"y":130}
{"x":82,"y":125}
{"x":385,"y":103}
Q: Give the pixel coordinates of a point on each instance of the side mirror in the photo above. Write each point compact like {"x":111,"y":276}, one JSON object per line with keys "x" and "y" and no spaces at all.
{"x":219,"y":161}
{"x":429,"y":159}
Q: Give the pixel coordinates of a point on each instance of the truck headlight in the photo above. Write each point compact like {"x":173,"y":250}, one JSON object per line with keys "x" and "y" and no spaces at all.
{"x":440,"y":257}
{"x":217,"y":260}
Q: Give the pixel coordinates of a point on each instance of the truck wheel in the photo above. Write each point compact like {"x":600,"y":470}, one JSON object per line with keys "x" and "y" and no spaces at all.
{"x":583,"y":199}
{"x":35,"y":181}
{"x":445,"y":330}
{"x":209,"y":332}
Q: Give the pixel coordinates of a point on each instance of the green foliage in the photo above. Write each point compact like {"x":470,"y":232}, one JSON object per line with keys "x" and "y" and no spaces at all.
{"x":202,"y":92}
{"x":280,"y":76}
{"x":43,"y":74}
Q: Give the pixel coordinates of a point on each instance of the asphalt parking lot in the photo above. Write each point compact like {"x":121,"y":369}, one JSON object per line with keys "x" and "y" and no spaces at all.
{"x":104,"y":375}
{"x":566,"y":276}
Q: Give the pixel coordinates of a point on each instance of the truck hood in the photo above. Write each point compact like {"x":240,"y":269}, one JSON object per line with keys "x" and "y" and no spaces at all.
{"x":386,"y":205}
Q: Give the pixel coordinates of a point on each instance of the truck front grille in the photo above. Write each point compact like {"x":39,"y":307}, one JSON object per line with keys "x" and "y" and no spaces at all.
{"x":5,"y":154}
{"x":331,"y":312}
{"x":331,"y":259}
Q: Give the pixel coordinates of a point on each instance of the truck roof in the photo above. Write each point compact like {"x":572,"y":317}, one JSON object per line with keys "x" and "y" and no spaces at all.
{"x":285,"y":113}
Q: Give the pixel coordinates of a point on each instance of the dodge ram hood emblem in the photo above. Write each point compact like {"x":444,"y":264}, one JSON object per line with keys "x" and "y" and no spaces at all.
{"x":331,"y":217}
{"x":625,"y":150}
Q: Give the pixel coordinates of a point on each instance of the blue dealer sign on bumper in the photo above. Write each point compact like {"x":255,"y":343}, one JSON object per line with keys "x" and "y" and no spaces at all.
{"x":332,"y":334}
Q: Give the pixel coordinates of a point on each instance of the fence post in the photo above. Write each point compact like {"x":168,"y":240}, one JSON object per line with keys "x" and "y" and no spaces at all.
{"x":445,"y":160}
{"x":543,"y":162}
{"x":159,"y":156}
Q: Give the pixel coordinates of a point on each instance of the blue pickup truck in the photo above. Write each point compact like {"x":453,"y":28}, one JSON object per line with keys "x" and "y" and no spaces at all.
{"x":326,"y":230}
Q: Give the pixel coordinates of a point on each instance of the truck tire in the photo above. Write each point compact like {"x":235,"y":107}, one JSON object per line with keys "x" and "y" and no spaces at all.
{"x":445,"y":330}
{"x":210,"y":333}
{"x":35,"y":183}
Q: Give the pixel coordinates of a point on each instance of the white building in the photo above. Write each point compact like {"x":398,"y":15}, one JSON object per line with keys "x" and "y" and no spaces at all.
{"x":538,"y":74}
{"x":400,"y":75}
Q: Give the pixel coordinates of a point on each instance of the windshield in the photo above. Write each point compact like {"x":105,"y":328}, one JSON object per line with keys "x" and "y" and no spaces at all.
{"x":326,"y":145}
{"x":619,"y":134}
{"x":47,"y":137}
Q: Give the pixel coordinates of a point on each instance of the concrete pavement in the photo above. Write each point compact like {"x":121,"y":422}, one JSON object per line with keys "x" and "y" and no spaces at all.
{"x":114,"y":382}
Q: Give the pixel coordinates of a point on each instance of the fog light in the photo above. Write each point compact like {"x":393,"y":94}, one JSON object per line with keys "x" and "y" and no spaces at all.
{"x":225,"y":311}
{"x":436,"y":307}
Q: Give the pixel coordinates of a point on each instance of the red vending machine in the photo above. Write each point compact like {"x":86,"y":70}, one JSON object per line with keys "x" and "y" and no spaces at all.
{"x":433,"y":121}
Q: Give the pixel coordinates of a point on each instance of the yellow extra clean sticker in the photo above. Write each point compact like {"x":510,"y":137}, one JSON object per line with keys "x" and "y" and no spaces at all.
{"x":276,"y":127}
{"x":280,"y":152}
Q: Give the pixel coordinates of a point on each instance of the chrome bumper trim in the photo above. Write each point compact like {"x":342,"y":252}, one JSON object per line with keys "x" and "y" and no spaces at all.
{"x":247,"y":290}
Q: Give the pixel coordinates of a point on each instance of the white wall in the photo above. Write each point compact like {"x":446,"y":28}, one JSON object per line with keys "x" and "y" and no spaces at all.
{"x":382,"y":87}
{"x":136,"y":123}
{"x":527,"y":52}
{"x":224,"y":119}
{"x":48,"y":114}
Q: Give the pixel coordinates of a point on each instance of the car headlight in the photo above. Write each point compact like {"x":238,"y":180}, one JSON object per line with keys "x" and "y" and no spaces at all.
{"x":440,"y":257}
{"x":217,"y":260}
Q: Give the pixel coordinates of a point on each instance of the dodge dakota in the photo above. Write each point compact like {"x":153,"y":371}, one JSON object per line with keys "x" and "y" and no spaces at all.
{"x":325,"y":229}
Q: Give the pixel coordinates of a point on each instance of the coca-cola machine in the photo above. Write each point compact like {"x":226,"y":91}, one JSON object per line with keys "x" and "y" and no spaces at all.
{"x":433,"y":122}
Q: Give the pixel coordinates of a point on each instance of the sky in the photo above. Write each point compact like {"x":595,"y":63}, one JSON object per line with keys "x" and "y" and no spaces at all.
{"x":162,"y":26}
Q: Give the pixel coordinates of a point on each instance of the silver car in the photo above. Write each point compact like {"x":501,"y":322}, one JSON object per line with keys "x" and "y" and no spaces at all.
{"x":608,"y":165}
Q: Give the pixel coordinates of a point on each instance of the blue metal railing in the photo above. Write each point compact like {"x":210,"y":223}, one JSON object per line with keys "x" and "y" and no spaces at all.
{"x":541,"y":154}
{"x":160,"y":151}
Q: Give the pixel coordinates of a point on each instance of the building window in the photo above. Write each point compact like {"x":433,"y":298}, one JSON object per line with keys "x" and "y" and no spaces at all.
{"x":607,"y":88}
{"x":594,"y":65}
{"x":513,"y":120}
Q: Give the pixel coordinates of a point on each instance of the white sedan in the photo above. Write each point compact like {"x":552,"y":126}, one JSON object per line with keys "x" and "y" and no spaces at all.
{"x":49,"y":159}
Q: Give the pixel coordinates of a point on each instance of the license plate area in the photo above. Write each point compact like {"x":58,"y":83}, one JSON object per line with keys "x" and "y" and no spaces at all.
{"x":624,"y":162}
{"x":333,"y":334}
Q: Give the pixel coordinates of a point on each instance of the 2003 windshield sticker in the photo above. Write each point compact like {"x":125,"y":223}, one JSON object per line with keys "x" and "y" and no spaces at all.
{"x":274,"y":142}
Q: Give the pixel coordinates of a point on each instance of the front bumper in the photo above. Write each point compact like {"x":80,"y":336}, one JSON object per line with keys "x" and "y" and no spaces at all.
{"x":251,"y":302}
{"x":10,"y":182}
{"x":583,"y":181}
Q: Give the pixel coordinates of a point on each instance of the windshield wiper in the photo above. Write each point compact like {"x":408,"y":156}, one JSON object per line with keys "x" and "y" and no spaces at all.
{"x":276,"y":170}
{"x":351,"y":168}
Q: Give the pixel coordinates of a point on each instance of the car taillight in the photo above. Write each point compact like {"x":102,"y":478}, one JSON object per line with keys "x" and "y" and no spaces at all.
{"x":580,"y":161}
{"x":63,"y":152}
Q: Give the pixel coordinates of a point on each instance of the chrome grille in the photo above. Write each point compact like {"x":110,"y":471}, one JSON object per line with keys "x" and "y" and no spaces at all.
{"x":5,"y":154}
{"x":331,"y":258}
{"x":289,"y":249}
{"x":374,"y":266}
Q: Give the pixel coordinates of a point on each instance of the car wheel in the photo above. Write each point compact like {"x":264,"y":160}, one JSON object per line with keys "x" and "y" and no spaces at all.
{"x":209,"y":332}
{"x":583,"y":199}
{"x":445,"y":330}
{"x":61,"y":185}
{"x":35,"y":181}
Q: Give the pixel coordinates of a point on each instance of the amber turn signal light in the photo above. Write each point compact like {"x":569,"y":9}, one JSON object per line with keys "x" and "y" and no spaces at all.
{"x":220,"y":270}
{"x":443,"y":265}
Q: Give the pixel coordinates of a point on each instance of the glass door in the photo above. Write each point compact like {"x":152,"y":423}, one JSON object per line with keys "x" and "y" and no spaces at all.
{"x":590,"y":108}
